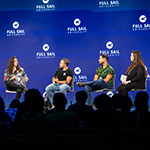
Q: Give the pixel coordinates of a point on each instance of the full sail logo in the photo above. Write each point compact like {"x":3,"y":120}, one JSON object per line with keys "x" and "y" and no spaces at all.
{"x":46,"y":6}
{"x":78,"y":77}
{"x":46,"y":53}
{"x":104,"y":4}
{"x":77,"y":27}
{"x":143,"y":25}
{"x":110,"y":51}
{"x":16,"y":31}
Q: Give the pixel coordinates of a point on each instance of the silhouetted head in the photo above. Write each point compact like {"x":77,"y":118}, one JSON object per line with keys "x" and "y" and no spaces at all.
{"x":59,"y":101}
{"x":81,"y":96}
{"x":14,"y":103}
{"x":103,"y":102}
{"x":141,"y":101}
{"x":34,"y":100}
{"x":126,"y":104}
{"x":116,"y":101}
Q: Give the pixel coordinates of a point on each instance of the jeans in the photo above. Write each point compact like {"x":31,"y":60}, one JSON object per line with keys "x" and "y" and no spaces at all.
{"x":95,"y":85}
{"x":56,"y":87}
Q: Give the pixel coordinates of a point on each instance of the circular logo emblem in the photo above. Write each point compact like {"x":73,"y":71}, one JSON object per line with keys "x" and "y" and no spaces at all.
{"x":142,"y":18}
{"x":15,"y":25}
{"x":110,"y":93}
{"x":45,"y":1}
{"x":109,"y":45}
{"x":77,"y":70}
{"x":45,"y":47}
{"x":77,"y":22}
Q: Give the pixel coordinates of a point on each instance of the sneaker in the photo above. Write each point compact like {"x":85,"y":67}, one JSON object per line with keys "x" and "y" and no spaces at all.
{"x":81,"y":84}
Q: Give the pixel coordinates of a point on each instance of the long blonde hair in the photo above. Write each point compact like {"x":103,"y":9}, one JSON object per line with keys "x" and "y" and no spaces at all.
{"x":137,"y":60}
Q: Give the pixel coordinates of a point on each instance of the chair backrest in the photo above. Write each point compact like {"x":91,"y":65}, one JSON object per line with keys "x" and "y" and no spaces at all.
{"x":145,"y":85}
{"x":72,"y":85}
{"x":114,"y":82}
{"x":145,"y":89}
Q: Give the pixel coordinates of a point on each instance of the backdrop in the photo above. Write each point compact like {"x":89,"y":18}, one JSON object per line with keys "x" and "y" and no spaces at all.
{"x":42,"y":32}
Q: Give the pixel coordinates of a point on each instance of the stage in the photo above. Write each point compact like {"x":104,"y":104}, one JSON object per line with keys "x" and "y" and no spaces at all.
{"x":40,"y":33}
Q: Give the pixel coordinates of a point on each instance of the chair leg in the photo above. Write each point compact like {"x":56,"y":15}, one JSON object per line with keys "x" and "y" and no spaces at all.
{"x":132,"y":95}
{"x":73,"y":99}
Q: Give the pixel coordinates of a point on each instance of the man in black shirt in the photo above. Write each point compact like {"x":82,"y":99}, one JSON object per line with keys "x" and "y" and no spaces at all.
{"x":61,"y":80}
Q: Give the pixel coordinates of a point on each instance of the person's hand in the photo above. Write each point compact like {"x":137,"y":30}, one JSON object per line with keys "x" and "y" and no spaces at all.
{"x":56,"y":80}
{"x":14,"y":77}
{"x":126,"y":82}
{"x":27,"y":79}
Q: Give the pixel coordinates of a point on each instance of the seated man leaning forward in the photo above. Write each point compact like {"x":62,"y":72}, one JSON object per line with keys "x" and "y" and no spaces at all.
{"x":62,"y":80}
{"x":103,"y":78}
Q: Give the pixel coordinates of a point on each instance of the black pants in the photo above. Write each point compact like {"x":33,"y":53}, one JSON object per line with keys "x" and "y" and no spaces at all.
{"x":123,"y":89}
{"x":15,"y":87}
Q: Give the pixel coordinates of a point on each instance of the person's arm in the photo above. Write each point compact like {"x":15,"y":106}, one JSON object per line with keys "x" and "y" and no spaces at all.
{"x":95,"y":77}
{"x":13,"y":78}
{"x":25,"y":75}
{"x":67,"y":81}
{"x":126,"y":82}
{"x":108,"y":77}
{"x":139,"y":75}
{"x":54,"y":79}
{"x":9,"y":77}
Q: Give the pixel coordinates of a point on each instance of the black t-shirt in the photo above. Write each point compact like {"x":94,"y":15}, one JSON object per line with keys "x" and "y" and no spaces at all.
{"x":62,"y":75}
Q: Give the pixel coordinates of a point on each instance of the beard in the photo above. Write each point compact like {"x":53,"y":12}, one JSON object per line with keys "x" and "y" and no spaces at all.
{"x":101,"y":63}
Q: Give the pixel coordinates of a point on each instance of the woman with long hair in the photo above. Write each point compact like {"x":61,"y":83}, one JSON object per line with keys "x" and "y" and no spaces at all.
{"x":15,"y":77}
{"x":136,"y":75}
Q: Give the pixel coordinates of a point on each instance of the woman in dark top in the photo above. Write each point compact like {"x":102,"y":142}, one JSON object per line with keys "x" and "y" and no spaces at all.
{"x":136,"y":75}
{"x":15,"y":77}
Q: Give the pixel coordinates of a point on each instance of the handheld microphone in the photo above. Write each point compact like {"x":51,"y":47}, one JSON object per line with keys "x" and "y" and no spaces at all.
{"x":15,"y":72}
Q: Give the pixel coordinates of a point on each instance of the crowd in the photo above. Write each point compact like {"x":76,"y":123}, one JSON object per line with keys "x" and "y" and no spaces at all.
{"x":115,"y":112}
{"x":110,"y":113}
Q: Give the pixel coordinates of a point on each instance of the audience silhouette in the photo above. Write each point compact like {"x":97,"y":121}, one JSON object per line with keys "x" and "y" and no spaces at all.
{"x":141,"y":113}
{"x":122,"y":111}
{"x":30,"y":114}
{"x":4,"y":117}
{"x":102,"y":117}
{"x":61,"y":118}
{"x":111,"y":113}
{"x":80,"y":107}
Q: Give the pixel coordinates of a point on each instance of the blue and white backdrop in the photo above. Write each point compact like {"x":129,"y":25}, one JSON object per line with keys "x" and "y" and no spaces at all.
{"x":41,"y":32}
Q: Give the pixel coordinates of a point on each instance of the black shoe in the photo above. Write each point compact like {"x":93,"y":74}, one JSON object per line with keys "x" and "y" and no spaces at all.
{"x":81,"y":84}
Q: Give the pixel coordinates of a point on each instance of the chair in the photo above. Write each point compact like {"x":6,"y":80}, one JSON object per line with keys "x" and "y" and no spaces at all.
{"x":11,"y":92}
{"x":132,"y":91}
{"x":106,"y":89}
{"x":8,"y":91}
